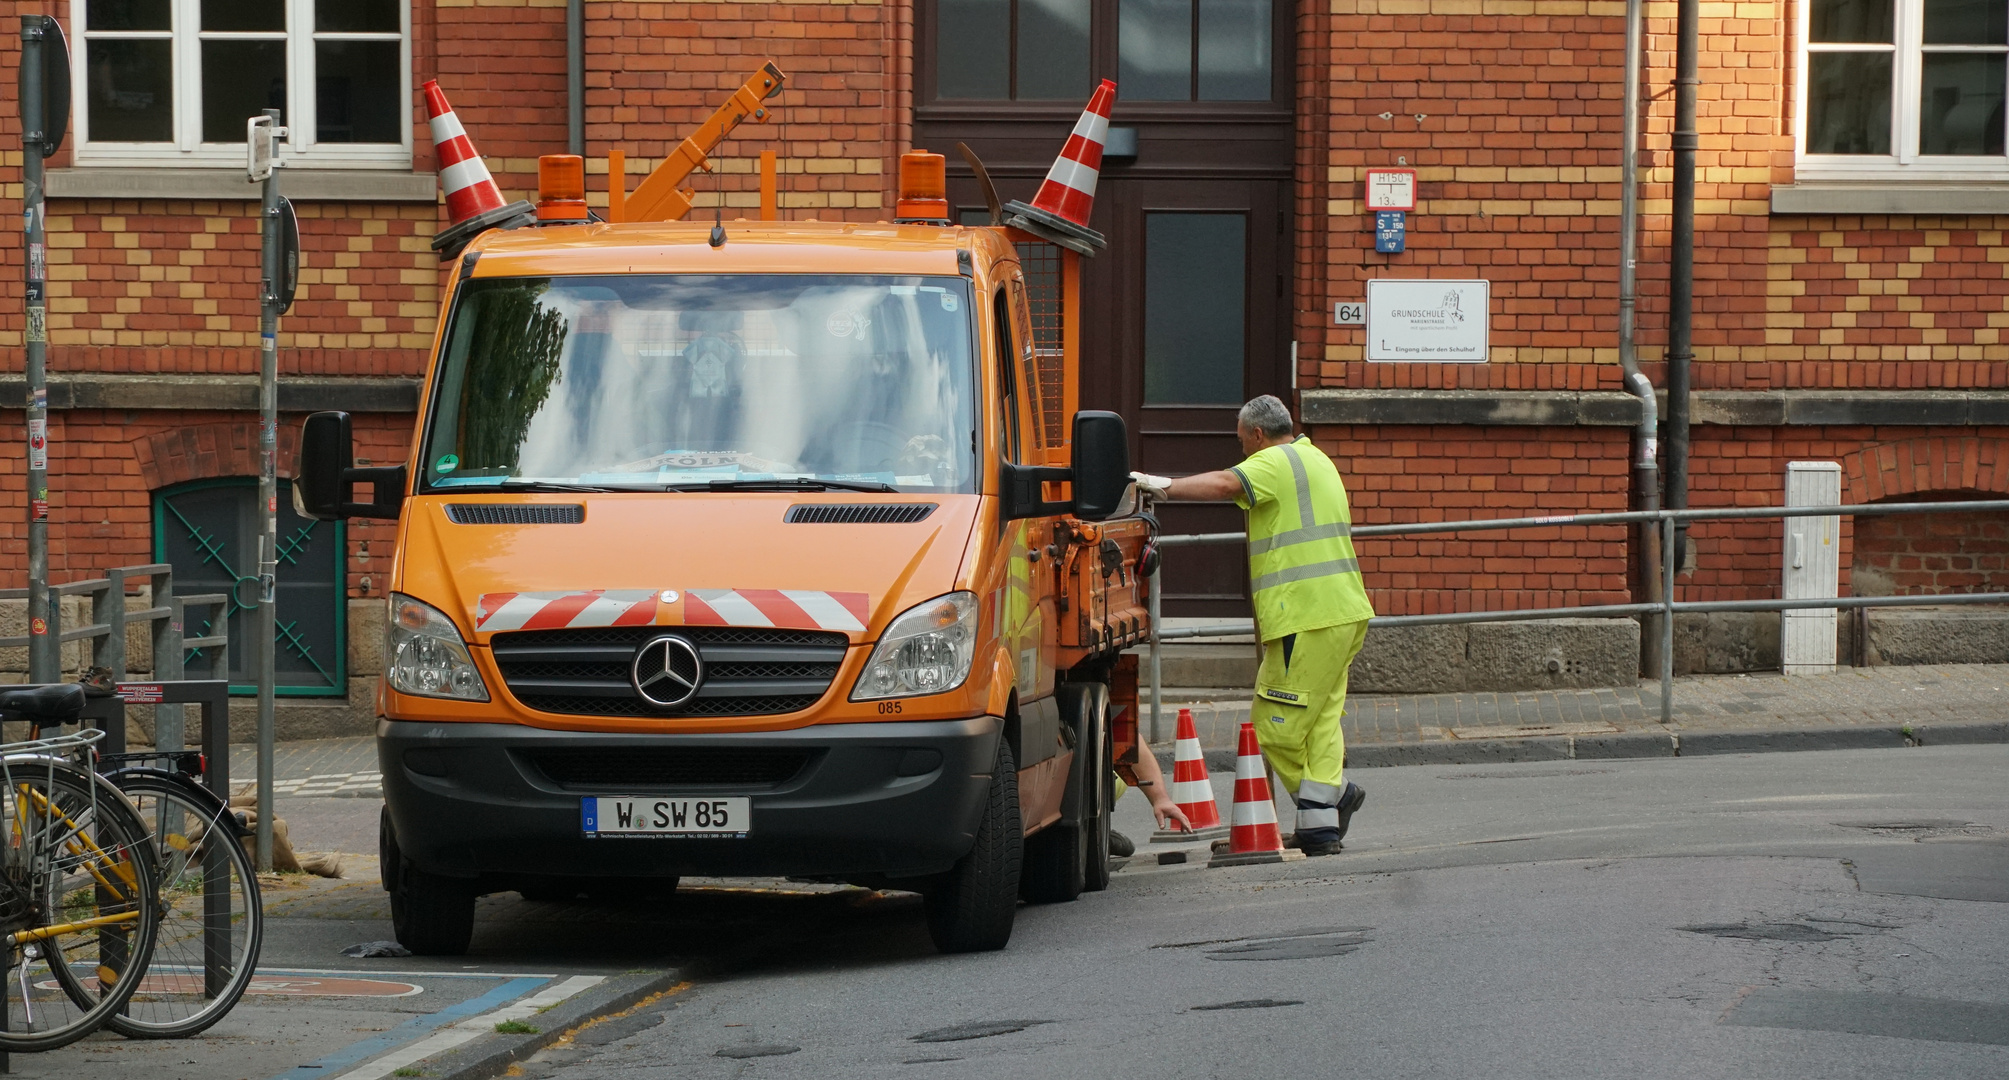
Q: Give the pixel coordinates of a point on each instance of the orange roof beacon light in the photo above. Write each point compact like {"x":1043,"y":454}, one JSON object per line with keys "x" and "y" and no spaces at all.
{"x":473,"y":200}
{"x":561,"y":188}
{"x":924,"y":189}
{"x":1059,"y":213}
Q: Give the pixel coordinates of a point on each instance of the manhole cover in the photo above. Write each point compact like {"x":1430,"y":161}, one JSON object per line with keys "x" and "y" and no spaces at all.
{"x":1291,"y":948}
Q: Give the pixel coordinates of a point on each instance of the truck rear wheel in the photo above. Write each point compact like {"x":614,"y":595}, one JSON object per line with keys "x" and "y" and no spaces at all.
{"x":1102,"y":784}
{"x":972,"y":907}
{"x":430,"y":915}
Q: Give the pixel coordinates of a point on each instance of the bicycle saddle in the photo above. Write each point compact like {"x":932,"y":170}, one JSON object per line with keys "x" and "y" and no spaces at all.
{"x":55,"y":704}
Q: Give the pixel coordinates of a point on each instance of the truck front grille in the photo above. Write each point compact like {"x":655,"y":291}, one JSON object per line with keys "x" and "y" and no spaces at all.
{"x":644,"y":768}
{"x":748,"y":671}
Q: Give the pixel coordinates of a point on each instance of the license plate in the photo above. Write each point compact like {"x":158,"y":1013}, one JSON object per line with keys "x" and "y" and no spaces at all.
{"x":648,"y":815}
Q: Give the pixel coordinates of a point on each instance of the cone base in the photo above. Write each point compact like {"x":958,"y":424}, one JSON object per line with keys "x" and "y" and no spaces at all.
{"x":453,"y":239}
{"x":1253,"y":858}
{"x":1172,"y":836}
{"x":1052,"y":227}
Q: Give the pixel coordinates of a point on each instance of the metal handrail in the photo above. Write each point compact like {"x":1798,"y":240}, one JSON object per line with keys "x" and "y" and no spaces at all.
{"x":1667,"y":606}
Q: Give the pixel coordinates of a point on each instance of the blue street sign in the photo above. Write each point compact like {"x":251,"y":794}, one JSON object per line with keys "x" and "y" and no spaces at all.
{"x":1389,"y":228}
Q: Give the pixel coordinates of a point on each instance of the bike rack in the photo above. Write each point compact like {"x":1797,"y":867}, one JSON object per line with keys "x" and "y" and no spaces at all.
{"x":212,"y":697}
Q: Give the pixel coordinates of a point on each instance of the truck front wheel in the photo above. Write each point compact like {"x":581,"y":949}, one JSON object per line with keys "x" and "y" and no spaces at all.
{"x":971,"y":908}
{"x":431,"y":915}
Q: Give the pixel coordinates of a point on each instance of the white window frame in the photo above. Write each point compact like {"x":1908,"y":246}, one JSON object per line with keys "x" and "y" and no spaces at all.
{"x":188,"y":149}
{"x":1907,"y":75}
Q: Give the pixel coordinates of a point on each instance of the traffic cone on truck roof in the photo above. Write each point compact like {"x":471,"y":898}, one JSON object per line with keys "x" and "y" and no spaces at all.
{"x":473,"y":202}
{"x":1252,"y":836}
{"x":1059,"y":212}
{"x":1191,"y":789}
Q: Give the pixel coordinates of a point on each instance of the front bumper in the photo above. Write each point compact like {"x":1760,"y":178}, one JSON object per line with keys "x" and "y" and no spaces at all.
{"x":474,"y":801}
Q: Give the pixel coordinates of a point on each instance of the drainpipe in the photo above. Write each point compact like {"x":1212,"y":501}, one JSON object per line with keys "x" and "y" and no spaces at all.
{"x":1645,"y":437}
{"x":575,"y":77}
{"x":1681,"y":299}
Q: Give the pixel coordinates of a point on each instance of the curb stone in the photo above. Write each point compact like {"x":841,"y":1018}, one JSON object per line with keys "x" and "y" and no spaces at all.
{"x":1646,"y":744}
{"x":492,"y":1054}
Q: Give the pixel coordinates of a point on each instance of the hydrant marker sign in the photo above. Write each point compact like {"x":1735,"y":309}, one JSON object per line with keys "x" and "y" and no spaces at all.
{"x":1428,"y":319}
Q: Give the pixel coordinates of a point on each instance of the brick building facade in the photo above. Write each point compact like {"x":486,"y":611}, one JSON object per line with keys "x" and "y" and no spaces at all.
{"x":1850,"y":305}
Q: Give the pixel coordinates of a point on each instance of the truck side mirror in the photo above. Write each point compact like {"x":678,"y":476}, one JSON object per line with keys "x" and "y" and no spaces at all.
{"x":1101,"y":464}
{"x":324,"y":483}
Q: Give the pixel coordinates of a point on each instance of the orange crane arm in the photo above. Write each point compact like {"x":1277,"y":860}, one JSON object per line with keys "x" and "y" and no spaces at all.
{"x":660,"y":196}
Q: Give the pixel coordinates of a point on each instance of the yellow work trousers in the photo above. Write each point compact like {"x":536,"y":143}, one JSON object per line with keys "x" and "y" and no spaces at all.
{"x":1299,"y":700}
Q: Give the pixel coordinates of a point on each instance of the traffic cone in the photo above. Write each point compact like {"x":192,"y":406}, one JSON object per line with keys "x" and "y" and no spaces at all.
{"x":473,"y":202}
{"x":1059,"y":212}
{"x":1253,"y":838}
{"x":1191,"y":789}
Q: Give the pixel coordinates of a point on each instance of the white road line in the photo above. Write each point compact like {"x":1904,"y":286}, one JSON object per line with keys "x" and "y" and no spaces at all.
{"x":468,"y":1030}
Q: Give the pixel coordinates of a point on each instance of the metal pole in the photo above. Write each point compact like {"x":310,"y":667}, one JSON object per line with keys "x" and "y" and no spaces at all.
{"x":44,"y":660}
{"x":268,"y":495}
{"x":1157,"y":672}
{"x":1667,"y":626}
{"x":1645,"y":452}
{"x":575,"y":76}
{"x":1681,"y":284}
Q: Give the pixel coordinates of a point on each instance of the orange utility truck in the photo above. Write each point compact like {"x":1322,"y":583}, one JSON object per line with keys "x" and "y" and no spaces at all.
{"x":751,"y":548}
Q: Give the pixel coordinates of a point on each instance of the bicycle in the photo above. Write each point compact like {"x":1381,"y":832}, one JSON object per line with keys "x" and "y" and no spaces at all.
{"x":78,"y":883}
{"x":212,"y":923}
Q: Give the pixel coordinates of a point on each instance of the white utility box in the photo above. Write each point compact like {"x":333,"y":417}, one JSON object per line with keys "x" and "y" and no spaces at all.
{"x":1812,"y":568}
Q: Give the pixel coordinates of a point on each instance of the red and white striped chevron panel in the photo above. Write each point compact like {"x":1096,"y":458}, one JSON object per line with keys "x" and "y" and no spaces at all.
{"x":795,"y":609}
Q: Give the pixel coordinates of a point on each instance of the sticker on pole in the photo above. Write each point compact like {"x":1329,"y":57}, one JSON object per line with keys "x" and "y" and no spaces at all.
{"x":140,"y":693}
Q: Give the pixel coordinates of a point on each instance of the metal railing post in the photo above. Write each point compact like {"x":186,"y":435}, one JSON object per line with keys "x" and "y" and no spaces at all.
{"x":108,"y":609}
{"x":170,"y":722}
{"x":1667,"y":620}
{"x":1157,"y":673}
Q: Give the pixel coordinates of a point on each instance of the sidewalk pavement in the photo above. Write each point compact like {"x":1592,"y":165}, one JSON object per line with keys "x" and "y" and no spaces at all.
{"x":1853,"y":708}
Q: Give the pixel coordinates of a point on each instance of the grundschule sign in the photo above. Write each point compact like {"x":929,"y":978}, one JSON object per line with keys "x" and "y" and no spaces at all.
{"x":1410,"y":319}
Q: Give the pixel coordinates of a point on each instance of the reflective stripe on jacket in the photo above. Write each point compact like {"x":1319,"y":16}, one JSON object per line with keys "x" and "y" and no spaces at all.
{"x":1302,"y":567}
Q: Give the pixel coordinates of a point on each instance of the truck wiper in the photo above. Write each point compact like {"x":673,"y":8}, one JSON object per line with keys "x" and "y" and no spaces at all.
{"x":797,"y":484}
{"x":553,"y":485}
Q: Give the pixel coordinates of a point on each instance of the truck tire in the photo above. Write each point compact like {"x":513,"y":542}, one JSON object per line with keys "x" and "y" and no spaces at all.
{"x":971,"y":908}
{"x":1102,"y":777}
{"x":430,"y":915}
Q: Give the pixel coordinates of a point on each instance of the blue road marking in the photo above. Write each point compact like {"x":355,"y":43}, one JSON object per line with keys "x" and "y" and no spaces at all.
{"x":413,"y":1029}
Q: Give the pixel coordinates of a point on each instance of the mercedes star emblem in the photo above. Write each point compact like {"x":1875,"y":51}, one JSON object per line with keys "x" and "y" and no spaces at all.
{"x":667,"y":671}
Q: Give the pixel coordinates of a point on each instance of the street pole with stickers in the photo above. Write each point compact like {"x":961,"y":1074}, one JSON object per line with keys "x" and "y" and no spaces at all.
{"x":45,"y":116}
{"x":279,"y":235}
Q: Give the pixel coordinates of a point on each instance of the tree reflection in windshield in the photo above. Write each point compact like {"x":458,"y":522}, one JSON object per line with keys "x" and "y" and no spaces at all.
{"x":661,"y":379}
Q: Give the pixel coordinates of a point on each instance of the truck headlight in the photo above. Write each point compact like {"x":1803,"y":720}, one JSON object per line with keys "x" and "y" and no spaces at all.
{"x":927,"y":650}
{"x":424,"y":655}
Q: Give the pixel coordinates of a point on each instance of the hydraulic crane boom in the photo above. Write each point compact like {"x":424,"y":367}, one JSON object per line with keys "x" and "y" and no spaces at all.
{"x":661,"y":196}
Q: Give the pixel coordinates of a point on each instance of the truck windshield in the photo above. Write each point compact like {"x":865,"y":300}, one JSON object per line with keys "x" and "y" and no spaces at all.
{"x":655,"y":382}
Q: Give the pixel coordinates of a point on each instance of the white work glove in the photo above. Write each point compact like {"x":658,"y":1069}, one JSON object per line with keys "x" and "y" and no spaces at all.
{"x":1158,"y":487}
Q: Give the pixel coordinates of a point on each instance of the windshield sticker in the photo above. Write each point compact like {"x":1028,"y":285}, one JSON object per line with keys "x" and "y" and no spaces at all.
{"x":948,"y":300}
{"x":684,"y":460}
{"x":447,"y":463}
{"x":846,"y":323}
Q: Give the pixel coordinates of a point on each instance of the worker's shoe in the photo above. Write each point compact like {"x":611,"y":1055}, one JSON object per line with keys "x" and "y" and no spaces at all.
{"x":1120,"y":845}
{"x":1351,"y":798}
{"x":1314,"y":848}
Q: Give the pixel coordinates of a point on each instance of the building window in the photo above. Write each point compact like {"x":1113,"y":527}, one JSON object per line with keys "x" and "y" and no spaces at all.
{"x":1004,"y":50}
{"x":1165,"y":50}
{"x":208,"y":531}
{"x":1911,"y":88}
{"x":174,"y":81}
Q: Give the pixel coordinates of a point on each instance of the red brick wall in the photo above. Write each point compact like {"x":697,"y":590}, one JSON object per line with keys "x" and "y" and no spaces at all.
{"x":1402,"y":474}
{"x":1925,"y":554}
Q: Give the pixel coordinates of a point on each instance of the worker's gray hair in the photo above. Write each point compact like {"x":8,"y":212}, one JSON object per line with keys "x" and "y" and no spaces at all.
{"x":1267,"y":415}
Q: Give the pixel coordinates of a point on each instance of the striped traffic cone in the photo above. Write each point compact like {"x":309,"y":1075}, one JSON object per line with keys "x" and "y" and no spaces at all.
{"x":1191,"y":789}
{"x":473,"y":202}
{"x":1059,"y":212}
{"x":1253,"y":838}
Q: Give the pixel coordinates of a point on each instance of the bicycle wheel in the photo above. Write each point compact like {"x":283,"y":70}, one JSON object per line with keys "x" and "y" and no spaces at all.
{"x":78,"y":901}
{"x":212,"y":925}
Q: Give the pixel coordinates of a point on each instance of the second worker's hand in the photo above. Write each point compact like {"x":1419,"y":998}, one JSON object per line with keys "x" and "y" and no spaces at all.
{"x":1158,"y":487}
{"x":1169,"y":815}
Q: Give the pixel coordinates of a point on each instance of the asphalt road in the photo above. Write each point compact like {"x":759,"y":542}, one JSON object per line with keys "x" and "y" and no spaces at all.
{"x":1828,"y":915}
